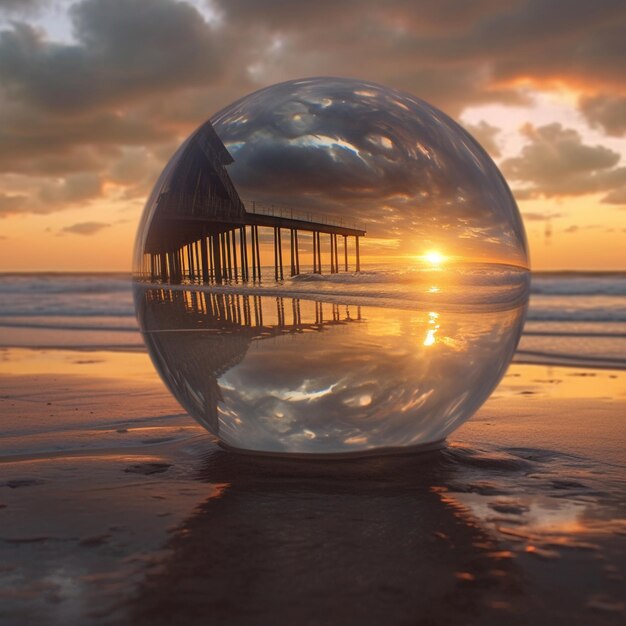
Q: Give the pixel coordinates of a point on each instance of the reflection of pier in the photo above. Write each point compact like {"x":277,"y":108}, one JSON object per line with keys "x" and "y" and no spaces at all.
{"x":201,"y":230}
{"x":227,"y":324}
{"x":256,"y":316}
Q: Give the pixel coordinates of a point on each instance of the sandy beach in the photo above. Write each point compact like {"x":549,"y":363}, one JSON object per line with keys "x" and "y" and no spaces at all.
{"x":116,"y":507}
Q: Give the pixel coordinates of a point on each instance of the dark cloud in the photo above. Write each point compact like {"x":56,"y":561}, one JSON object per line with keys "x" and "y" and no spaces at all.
{"x":68,"y":107}
{"x":448,"y":52}
{"x":36,"y":143}
{"x":85,"y":228}
{"x":72,"y":189}
{"x":556,"y":162}
{"x":11,"y":203}
{"x":606,"y":112}
{"x":617,"y":196}
{"x":144,"y":73}
{"x":539,"y":41}
{"x":125,"y":49}
{"x":20,"y":6}
{"x":51,"y":195}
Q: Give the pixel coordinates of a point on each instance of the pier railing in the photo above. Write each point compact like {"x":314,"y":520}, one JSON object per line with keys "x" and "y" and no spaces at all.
{"x":288,"y":212}
{"x":219,"y":250}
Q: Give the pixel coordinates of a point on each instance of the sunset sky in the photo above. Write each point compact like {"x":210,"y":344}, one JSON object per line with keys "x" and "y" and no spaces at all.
{"x":96,"y":95}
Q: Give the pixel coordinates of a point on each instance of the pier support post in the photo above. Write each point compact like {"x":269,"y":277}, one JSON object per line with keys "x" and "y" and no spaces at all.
{"x":243,"y":250}
{"x":258,"y":251}
{"x":190,"y":261}
{"x":163,"y":266}
{"x":276,"y":244}
{"x":223,"y":251}
{"x":217,"y":261}
{"x":196,"y":257}
{"x":297,"y":252}
{"x":205,"y":256}
{"x":319,"y":253}
{"x":358,"y":255}
{"x":229,"y":257}
{"x":253,"y":248}
{"x":280,"y":254}
{"x":234,"y":242}
{"x":211,"y":267}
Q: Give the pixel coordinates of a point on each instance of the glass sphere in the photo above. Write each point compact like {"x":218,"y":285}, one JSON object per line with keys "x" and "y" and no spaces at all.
{"x":331,"y":267}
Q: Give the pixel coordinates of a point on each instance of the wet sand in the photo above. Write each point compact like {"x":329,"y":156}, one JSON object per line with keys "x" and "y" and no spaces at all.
{"x":116,"y":508}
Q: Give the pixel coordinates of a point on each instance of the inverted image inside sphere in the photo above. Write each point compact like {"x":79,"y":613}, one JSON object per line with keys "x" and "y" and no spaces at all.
{"x":328,"y":266}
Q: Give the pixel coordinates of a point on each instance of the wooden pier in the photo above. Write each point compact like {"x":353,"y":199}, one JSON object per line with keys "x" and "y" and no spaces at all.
{"x":201,"y":231}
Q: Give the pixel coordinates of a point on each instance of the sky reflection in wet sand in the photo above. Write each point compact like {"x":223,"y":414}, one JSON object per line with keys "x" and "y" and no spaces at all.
{"x":527,"y":527}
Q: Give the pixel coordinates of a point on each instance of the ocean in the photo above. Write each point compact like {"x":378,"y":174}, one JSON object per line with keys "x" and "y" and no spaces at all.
{"x":574,"y":318}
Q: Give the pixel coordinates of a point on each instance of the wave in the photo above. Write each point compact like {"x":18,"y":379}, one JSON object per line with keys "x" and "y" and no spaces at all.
{"x":554,"y":297}
{"x":574,"y":334}
{"x":67,"y":325}
{"x":584,"y":315}
{"x":67,"y":309}
{"x":579,"y":286}
{"x":549,"y":284}
{"x":42,"y":284}
{"x":569,"y":360}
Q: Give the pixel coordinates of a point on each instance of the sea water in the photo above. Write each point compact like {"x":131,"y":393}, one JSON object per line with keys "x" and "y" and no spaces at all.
{"x":569,"y":317}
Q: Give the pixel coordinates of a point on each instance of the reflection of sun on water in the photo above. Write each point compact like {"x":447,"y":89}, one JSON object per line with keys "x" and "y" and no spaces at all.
{"x":433,"y":327}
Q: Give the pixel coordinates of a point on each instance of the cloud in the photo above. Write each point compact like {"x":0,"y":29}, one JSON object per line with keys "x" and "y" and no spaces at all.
{"x":534,"y":216}
{"x":139,"y":75}
{"x":486,"y":135}
{"x":451,"y":53}
{"x":617,"y":196}
{"x":75,"y":188}
{"x":40,"y":143}
{"x":85,"y":228}
{"x":606,"y":112}
{"x":11,"y":203}
{"x":125,"y":49}
{"x":20,"y":6}
{"x":68,"y":107}
{"x":49,"y":196}
{"x":556,"y":162}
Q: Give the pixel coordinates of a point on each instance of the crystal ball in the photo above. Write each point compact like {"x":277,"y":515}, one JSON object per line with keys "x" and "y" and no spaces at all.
{"x":331,"y":267}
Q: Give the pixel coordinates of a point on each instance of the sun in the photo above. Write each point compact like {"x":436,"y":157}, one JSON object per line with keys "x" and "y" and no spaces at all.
{"x":434,"y":257}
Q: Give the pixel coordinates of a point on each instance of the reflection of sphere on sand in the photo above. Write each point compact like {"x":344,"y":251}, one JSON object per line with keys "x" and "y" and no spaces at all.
{"x":329,"y":266}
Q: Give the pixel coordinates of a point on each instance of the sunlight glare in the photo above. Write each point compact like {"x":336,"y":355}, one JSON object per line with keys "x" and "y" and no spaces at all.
{"x":434,"y":258}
